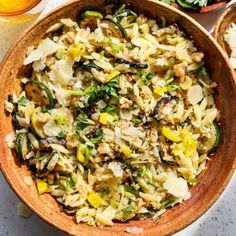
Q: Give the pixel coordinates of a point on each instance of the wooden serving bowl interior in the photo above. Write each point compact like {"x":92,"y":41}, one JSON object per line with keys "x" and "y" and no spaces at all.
{"x":212,"y":181}
{"x":223,"y":23}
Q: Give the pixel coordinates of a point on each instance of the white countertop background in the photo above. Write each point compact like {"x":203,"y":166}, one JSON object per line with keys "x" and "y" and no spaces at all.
{"x":220,"y":219}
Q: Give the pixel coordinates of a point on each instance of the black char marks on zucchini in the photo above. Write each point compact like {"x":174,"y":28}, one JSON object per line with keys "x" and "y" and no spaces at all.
{"x":45,"y":144}
{"x":162,"y":154}
{"x":21,"y":145}
{"x":91,"y":65}
{"x":86,"y":65}
{"x":161,"y":103}
{"x":133,"y":64}
{"x":88,"y":19}
{"x":110,"y":28}
{"x":39,"y":93}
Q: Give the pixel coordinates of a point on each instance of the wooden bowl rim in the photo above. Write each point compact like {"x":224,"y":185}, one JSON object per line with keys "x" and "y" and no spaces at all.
{"x":193,"y":22}
{"x":221,"y":19}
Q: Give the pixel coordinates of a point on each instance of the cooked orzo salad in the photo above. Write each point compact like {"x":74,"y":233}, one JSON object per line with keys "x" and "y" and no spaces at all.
{"x":117,"y":118}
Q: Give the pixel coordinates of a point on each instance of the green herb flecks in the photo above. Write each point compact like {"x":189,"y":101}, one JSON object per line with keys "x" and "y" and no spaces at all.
{"x":97,"y":137}
{"x":22,"y":101}
{"x":167,"y":204}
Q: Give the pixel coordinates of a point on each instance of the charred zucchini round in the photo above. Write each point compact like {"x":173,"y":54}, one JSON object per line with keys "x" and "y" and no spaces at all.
{"x":88,"y":19}
{"x":157,"y":112}
{"x":21,"y":145}
{"x":113,"y":29}
{"x":36,"y":125}
{"x":213,"y":142}
{"x":217,"y":135}
{"x":39,"y":93}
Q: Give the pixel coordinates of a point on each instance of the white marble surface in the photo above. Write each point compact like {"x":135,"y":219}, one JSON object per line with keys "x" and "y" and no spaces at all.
{"x":220,"y":219}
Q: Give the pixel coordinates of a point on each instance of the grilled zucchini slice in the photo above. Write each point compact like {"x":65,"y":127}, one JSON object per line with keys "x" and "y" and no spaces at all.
{"x":88,"y":19}
{"x":113,"y":29}
{"x":21,"y":145}
{"x":36,"y":125}
{"x":39,"y":93}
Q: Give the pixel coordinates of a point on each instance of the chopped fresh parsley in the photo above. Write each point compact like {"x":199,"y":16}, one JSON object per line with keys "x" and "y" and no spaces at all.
{"x":22,"y":101}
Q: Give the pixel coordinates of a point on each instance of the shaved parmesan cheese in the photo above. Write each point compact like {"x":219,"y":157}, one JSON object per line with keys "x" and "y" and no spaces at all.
{"x":45,"y":48}
{"x":176,"y":186}
{"x":106,"y":216}
{"x":63,"y":71}
{"x":59,"y":148}
{"x":10,"y":137}
{"x":8,"y":106}
{"x":195,"y":94}
{"x":39,"y":65}
{"x":54,"y":27}
{"x":68,"y":22}
{"x":116,"y":168}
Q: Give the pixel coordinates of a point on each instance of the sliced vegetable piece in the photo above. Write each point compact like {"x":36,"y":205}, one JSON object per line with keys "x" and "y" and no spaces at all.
{"x":76,"y":51}
{"x":39,"y":93}
{"x":205,"y":75}
{"x":162,"y":156}
{"x":88,"y":19}
{"x":94,"y":200}
{"x":167,"y":204}
{"x":163,"y":21}
{"x":134,"y":65}
{"x":172,"y":135}
{"x":36,"y":125}
{"x":75,"y":92}
{"x":169,"y":80}
{"x":217,"y":135}
{"x":112,"y":75}
{"x":82,"y":153}
{"x":42,"y":186}
{"x":106,"y":118}
{"x":161,"y":103}
{"x":126,"y":150}
{"x":159,"y":91}
{"x":21,"y":145}
{"x":214,"y":140}
{"x":113,"y":29}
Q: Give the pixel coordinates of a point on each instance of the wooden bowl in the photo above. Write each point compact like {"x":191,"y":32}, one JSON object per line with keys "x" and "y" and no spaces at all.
{"x":213,"y":180}
{"x":223,"y":23}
